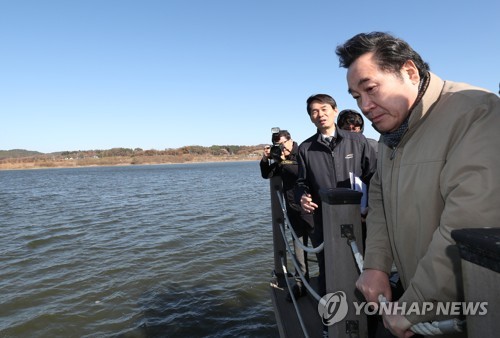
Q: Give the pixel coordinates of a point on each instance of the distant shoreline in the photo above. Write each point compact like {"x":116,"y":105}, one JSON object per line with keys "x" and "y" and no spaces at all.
{"x":20,"y":159}
{"x":36,"y":165}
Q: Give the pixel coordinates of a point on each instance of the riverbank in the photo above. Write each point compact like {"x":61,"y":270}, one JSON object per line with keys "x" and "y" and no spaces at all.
{"x":24,"y":159}
{"x":44,"y":163}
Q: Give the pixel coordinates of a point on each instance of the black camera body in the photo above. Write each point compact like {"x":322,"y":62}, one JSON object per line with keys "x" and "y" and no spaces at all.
{"x":276,"y":149}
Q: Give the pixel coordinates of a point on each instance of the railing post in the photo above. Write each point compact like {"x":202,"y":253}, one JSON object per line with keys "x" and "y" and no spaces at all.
{"x":341,"y":219}
{"x":276,"y":184}
{"x":480,"y":252}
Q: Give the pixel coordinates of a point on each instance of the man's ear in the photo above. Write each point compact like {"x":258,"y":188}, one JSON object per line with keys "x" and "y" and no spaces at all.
{"x":410,"y":69}
{"x":336,"y":113}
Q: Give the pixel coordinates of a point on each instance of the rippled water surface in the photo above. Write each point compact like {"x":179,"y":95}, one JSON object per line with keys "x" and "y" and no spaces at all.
{"x":141,"y":251}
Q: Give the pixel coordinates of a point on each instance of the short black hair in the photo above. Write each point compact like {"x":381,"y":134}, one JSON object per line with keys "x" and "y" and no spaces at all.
{"x":323,"y":98}
{"x":350,"y":116}
{"x":390,"y":52}
{"x":282,"y":133}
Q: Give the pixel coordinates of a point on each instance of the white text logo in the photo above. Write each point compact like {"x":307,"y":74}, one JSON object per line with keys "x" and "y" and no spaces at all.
{"x":420,"y":309}
{"x":333,"y":308}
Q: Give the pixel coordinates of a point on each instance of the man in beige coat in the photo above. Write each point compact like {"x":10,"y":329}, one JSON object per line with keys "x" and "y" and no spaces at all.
{"x":438,"y":170}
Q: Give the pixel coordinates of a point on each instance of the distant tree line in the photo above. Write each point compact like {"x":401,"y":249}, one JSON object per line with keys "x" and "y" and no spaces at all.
{"x":14,"y":153}
{"x":191,"y":150}
{"x":195,"y":150}
{"x":23,"y":159}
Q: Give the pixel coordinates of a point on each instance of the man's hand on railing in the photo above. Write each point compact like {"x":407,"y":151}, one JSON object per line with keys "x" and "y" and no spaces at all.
{"x":373,"y":283}
{"x":401,"y":327}
{"x":398,"y":325}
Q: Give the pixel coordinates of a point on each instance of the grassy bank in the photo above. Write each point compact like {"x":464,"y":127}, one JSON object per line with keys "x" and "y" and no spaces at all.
{"x":41,"y":163}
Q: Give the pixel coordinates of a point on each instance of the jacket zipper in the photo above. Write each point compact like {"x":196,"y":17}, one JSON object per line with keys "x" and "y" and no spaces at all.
{"x":396,"y":255}
{"x":333,"y":159}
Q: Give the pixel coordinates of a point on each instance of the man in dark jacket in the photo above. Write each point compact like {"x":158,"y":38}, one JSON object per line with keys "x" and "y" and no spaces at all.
{"x":286,"y":166}
{"x":331,"y":158}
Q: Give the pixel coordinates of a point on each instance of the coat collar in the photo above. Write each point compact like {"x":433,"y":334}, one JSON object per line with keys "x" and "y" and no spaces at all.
{"x":429,"y":98}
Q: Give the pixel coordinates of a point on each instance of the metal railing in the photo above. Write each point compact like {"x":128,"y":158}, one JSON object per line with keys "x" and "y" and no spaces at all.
{"x":347,"y":217}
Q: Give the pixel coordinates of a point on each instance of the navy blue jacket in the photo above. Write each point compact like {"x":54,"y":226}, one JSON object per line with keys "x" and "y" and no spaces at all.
{"x":321,"y":167}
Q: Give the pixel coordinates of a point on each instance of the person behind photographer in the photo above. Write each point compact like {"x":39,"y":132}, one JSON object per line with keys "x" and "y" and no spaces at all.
{"x":437,"y":171}
{"x":351,"y":120}
{"x":285,"y":165}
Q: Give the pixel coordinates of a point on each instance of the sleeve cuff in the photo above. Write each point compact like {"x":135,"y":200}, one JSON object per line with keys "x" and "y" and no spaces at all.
{"x":378,"y":262}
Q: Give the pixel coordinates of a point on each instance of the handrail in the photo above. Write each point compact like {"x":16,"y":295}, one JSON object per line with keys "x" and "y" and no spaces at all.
{"x":424,"y":328}
{"x":297,"y":268}
{"x":351,"y":241}
{"x":317,"y":249}
{"x":433,"y":328}
{"x":297,"y":311}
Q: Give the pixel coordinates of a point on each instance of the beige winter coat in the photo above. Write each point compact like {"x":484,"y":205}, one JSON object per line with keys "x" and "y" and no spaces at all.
{"x":444,"y":175}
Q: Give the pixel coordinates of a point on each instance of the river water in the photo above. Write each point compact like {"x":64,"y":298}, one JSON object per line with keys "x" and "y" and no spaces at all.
{"x":182,"y":250}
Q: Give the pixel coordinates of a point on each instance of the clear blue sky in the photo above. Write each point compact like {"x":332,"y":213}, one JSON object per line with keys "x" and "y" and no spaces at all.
{"x":156,"y":74}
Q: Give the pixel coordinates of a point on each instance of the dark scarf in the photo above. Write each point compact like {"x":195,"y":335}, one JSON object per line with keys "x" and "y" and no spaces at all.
{"x":392,"y":139}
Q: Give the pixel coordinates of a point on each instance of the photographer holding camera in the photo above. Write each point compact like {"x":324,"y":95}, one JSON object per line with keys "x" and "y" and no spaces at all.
{"x":281,"y":159}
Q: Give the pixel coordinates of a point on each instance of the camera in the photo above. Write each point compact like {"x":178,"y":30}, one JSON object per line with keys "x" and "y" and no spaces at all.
{"x":276,"y":148}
